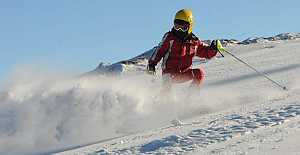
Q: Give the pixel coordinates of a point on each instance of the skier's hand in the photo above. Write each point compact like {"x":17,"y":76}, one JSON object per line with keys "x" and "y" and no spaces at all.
{"x":217,"y":45}
{"x":151,"y":69}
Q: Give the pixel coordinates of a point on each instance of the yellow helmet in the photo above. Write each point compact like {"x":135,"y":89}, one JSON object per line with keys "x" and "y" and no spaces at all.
{"x":187,"y":16}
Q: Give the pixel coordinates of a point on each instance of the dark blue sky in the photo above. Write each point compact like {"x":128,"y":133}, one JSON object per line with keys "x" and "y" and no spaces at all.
{"x":77,"y":35}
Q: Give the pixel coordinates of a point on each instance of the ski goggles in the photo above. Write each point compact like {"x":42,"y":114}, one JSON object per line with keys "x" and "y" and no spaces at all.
{"x":181,"y":26}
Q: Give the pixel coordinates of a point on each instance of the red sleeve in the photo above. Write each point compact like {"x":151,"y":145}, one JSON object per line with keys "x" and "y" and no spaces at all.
{"x":204,"y":51}
{"x":160,"y":50}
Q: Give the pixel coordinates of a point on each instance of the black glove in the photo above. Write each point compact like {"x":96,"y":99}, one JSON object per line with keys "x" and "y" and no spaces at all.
{"x":151,"y":69}
{"x":213,"y":45}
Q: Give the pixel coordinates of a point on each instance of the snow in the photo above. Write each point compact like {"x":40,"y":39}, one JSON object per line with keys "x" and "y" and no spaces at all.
{"x":117,"y":109}
{"x":134,"y":64}
{"x":283,"y":36}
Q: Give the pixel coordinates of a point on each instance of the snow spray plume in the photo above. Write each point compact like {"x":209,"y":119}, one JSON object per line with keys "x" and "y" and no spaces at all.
{"x":43,"y":113}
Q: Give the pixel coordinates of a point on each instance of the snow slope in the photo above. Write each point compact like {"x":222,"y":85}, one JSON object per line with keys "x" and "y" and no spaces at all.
{"x":138,"y":63}
{"x":236,"y":111}
{"x":255,"y":116}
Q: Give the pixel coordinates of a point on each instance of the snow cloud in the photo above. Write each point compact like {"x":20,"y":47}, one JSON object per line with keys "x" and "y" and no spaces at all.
{"x":41,"y":112}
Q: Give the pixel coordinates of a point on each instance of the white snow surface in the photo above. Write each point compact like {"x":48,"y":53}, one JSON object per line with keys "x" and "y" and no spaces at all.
{"x":118,"y":109}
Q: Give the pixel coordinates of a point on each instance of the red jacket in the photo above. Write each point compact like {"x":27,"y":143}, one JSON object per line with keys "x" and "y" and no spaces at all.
{"x":177,"y":54}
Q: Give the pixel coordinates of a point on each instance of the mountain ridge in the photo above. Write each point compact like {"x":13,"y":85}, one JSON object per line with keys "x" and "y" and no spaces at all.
{"x":121,"y":66}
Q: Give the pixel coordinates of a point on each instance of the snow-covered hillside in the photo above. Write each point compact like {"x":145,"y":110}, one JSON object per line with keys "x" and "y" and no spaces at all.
{"x":137,"y":63}
{"x":117,"y":109}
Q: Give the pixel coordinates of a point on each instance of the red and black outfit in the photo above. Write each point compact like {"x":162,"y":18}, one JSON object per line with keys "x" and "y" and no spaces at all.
{"x":177,"y":55}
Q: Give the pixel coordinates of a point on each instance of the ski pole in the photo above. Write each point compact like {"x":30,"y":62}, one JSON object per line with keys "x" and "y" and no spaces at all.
{"x":260,"y":73}
{"x":221,"y":54}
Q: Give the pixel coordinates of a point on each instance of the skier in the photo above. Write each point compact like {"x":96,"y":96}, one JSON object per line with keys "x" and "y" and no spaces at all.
{"x":177,"y":49}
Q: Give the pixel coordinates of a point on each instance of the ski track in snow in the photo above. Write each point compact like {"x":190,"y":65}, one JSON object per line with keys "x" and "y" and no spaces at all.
{"x":236,"y":125}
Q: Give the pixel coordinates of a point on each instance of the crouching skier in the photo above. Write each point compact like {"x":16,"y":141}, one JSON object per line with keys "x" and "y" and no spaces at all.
{"x":177,"y":49}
